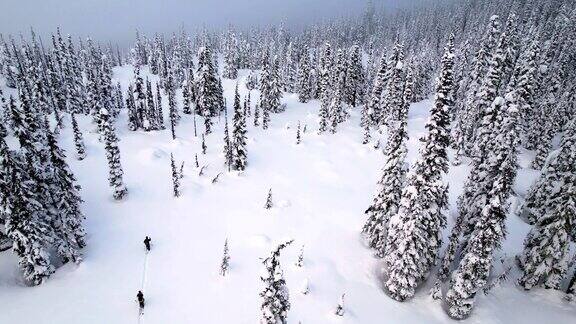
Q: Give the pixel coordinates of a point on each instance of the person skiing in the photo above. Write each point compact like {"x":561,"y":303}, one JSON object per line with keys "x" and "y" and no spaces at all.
{"x":147,"y":241}
{"x":140,"y":297}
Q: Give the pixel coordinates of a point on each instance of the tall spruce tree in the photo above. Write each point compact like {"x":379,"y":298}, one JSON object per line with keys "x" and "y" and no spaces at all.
{"x":115,"y":172}
{"x":354,"y":78}
{"x":239,"y":157}
{"x":78,"y":141}
{"x":175,"y":177}
{"x":389,"y":188}
{"x":414,"y":233}
{"x":303,"y":88}
{"x":70,"y":236}
{"x":552,"y":203}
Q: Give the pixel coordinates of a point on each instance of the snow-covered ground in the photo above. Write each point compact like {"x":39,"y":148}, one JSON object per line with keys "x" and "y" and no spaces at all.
{"x":320,"y":190}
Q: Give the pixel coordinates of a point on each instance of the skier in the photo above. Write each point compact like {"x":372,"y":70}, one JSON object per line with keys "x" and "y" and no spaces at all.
{"x":140,"y":297}
{"x":147,"y":241}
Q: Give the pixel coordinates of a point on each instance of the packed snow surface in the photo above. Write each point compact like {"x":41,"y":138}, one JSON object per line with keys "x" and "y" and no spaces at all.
{"x":320,"y":190}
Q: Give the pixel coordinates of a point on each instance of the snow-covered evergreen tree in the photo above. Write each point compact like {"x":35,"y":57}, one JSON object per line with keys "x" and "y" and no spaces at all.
{"x":78,"y":141}
{"x":225,"y":260}
{"x":303,"y":87}
{"x":24,"y":221}
{"x":340,"y":307}
{"x":257,"y":115}
{"x":300,"y":260}
{"x":228,"y":150}
{"x":175,"y":177}
{"x":269,"y":204}
{"x":239,"y":157}
{"x":387,"y":198}
{"x":230,"y":70}
{"x":275,"y":298}
{"x":115,"y":172}
{"x":290,"y":78}
{"x":414,"y":233}
{"x":354,"y":78}
{"x":552,"y":204}
{"x":67,"y":224}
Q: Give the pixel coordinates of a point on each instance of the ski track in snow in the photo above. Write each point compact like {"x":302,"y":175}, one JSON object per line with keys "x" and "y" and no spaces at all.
{"x":320,"y":190}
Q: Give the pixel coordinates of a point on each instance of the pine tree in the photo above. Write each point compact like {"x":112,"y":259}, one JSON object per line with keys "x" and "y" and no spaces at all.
{"x":208,"y":91}
{"x":150,"y":113}
{"x":230,"y":56}
{"x":228,"y":152}
{"x":472,"y":273}
{"x":340,"y":307}
{"x":373,"y":103}
{"x":488,"y":229}
{"x":204,"y":147}
{"x":339,"y":83}
{"x":393,"y":101}
{"x":477,"y":186}
{"x":269,"y":204}
{"x":69,"y":218}
{"x":477,"y":98}
{"x":365,"y":124}
{"x":335,"y":110}
{"x":303,"y":87}
{"x":225,"y":260}
{"x":324,"y":79}
{"x":239,"y":157}
{"x":389,"y":192}
{"x":132,"y":112}
{"x":172,"y":108}
{"x":175,"y":177}
{"x":275,"y":93}
{"x":545,"y":255}
{"x":324,"y":112}
{"x":186,"y":98}
{"x":115,"y":172}
{"x":414,"y":234}
{"x":265,"y":117}
{"x":257,"y":115}
{"x":248,"y":106}
{"x":298,"y":136}
{"x":275,"y":298}
{"x":300,"y":261}
{"x":159,"y":112}
{"x":290,"y":77}
{"x":78,"y":141}
{"x":139,"y":97}
{"x":24,"y":223}
{"x":354,"y":78}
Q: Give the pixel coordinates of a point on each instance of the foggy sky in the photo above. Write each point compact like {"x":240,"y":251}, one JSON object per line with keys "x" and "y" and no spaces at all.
{"x":117,"y":20}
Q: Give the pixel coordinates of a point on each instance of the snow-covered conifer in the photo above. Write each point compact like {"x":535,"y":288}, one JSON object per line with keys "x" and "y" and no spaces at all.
{"x":204,"y":147}
{"x":269,"y":202}
{"x":414,"y":233}
{"x":78,"y":141}
{"x":239,"y":157}
{"x":275,"y":298}
{"x":303,"y":87}
{"x":175,"y":177}
{"x":298,"y":135}
{"x":340,"y":307}
{"x":300,"y":261}
{"x":115,"y":172}
{"x":354,"y":90}
{"x":225,"y":260}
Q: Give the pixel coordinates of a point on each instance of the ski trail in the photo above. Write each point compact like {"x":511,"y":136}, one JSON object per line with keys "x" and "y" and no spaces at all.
{"x":143,"y":286}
